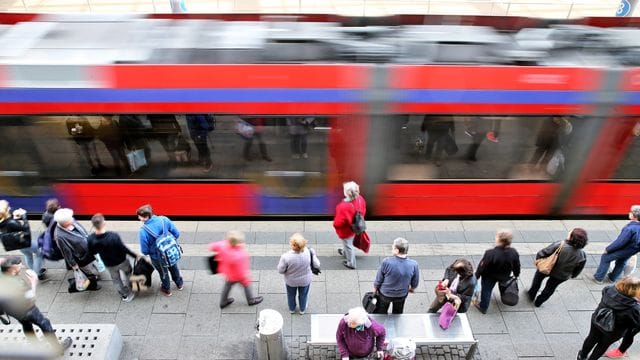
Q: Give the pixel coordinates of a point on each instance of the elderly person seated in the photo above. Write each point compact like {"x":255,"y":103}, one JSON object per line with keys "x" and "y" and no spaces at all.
{"x":358,"y":335}
{"x":457,"y":286}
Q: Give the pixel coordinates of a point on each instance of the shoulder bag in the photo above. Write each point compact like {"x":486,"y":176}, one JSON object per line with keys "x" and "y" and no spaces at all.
{"x":314,"y":270}
{"x":545,"y":265}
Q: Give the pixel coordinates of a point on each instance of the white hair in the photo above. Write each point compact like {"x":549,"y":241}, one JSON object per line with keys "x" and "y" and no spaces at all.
{"x":63,"y":216}
{"x":635,"y":210}
{"x":358,"y":315}
{"x":402,"y":245}
{"x":351,"y":189}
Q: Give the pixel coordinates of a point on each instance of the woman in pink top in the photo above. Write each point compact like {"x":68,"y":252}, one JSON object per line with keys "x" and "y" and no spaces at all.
{"x":233,"y":260}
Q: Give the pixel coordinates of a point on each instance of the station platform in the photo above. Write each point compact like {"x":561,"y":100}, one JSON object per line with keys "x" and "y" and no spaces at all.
{"x":190,"y":324}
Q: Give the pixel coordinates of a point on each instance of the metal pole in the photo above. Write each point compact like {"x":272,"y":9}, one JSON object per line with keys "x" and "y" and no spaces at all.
{"x":570,"y":10}
{"x":508,"y":7}
{"x":626,"y":8}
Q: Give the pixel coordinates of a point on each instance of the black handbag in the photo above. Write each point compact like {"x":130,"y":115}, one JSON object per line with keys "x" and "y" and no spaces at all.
{"x":16,"y":240}
{"x":213,"y":264}
{"x":509,"y":292}
{"x":314,"y":270}
{"x":370,"y":302}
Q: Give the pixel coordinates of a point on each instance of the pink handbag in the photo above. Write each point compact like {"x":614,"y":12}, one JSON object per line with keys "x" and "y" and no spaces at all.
{"x":447,"y":314}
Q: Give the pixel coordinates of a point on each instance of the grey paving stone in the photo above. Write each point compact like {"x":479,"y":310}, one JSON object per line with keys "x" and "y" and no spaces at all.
{"x":536,"y":236}
{"x":133,"y":318}
{"x":223,"y":226}
{"x":160,"y":347}
{"x":429,"y":262}
{"x":327,"y":237}
{"x":67,"y":308}
{"x":496,"y":347}
{"x":105,"y":300}
{"x":389,"y":225}
{"x":385,"y":237}
{"x":417,"y":303}
{"x":479,"y":236}
{"x":206,"y":237}
{"x":447,"y":225}
{"x":340,"y":303}
{"x":97,"y":318}
{"x":199,"y":324}
{"x":317,"y":302}
{"x":235,"y":339}
{"x":203,"y":304}
{"x":46,"y":293}
{"x":487,"y":225}
{"x":272,"y":238}
{"x":132,"y":347}
{"x":582,"y":320}
{"x":554,"y":318}
{"x":420,"y":237}
{"x":204,"y":282}
{"x":491,"y":323}
{"x":449,"y":237}
{"x":318,"y":225}
{"x":271,"y":282}
{"x":565,"y":346}
{"x":301,"y":325}
{"x":366,"y":262}
{"x":197,"y":348}
{"x":341,"y":281}
{"x":576,"y":296}
{"x":283,"y":226}
{"x":264,"y":262}
{"x":175,"y":304}
{"x":527,"y":334}
{"x":165,"y":324}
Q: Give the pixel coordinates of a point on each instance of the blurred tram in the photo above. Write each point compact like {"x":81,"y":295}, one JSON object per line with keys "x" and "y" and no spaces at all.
{"x":209,"y":118}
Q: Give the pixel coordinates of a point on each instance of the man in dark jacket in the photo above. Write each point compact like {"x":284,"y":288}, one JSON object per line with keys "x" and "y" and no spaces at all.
{"x":497,"y":265}
{"x":571,"y":261}
{"x":625,"y":246}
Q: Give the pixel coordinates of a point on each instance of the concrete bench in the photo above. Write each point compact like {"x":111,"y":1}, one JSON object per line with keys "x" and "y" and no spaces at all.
{"x":423,"y":329}
{"x":90,"y":341}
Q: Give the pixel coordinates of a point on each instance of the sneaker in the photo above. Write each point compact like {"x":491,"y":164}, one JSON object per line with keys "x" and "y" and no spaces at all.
{"x":292,"y":312}
{"x":302,"y":312}
{"x":491,"y":136}
{"x":129,"y":297}
{"x":42,"y":278}
{"x":615,"y":354}
{"x":180,"y":287}
{"x":227,"y":303}
{"x":42,"y":271}
{"x":256,"y":300}
{"x":347,"y":265}
{"x":166,"y":292}
{"x":340,"y":252}
{"x":593,"y":278}
{"x":65,"y":344}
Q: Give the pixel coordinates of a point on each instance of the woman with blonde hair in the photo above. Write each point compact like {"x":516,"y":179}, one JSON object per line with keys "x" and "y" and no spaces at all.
{"x":620,"y":301}
{"x":295,"y":264}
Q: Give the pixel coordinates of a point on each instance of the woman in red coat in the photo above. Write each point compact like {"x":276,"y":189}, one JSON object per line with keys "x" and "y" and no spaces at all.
{"x":343,"y":221}
{"x":233,"y":264}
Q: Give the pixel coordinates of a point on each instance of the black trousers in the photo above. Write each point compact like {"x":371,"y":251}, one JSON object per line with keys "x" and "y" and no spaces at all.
{"x":598,"y":341}
{"x":34,"y":316}
{"x":384,"y":302}
{"x":548,"y":290}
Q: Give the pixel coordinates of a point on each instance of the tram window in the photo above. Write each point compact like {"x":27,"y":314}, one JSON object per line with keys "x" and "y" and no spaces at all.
{"x":480,"y":147}
{"x":627,"y":140}
{"x":167,"y":146}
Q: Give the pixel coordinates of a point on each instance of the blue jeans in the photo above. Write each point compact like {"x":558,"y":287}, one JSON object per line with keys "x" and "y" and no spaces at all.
{"x":33,"y":256}
{"x":620,"y":257}
{"x":164,"y":271}
{"x":303,"y":293}
{"x":485,"y":292}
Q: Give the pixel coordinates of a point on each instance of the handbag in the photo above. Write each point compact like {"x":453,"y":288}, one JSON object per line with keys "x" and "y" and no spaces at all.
{"x":555,"y":163}
{"x":370,"y":302}
{"x":545,"y":265}
{"x":362,"y":241}
{"x":314,"y":270}
{"x":509,"y":292}
{"x":81,"y":280}
{"x":447,"y":314}
{"x":213,"y":264}
{"x":136,"y":159}
{"x":99,"y":264}
{"x":15,"y":240}
{"x":245,"y":129}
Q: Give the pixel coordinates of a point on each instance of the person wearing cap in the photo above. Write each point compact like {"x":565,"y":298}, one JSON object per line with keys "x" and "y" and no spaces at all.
{"x":18,"y":300}
{"x":358,"y":335}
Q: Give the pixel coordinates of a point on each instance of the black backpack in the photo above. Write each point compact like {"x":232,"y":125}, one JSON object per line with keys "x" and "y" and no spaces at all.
{"x":604,"y":319}
{"x":357,"y":223}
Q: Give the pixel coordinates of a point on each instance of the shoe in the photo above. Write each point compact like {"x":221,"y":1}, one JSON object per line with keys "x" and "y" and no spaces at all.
{"x":615,"y":354}
{"x":42,"y":271}
{"x":267,"y":158}
{"x":302,"y":312}
{"x":292,"y":312}
{"x":42,"y":278}
{"x":255,"y":301}
{"x":479,"y":308}
{"x":129,"y":297}
{"x":531,"y":297}
{"x":340,"y":252}
{"x":305,"y":156}
{"x":491,"y":136}
{"x":346,"y":264}
{"x":537,"y":303}
{"x":580,"y":357}
{"x":592,"y":278}
{"x":180,"y":287}
{"x":166,"y":292}
{"x":65,"y":344}
{"x":229,"y":302}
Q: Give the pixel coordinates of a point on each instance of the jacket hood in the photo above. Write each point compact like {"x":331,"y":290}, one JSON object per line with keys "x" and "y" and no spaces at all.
{"x":615,"y":300}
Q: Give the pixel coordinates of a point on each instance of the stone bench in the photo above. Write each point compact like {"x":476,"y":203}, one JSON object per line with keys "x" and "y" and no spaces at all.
{"x":423,"y":329}
{"x":90,"y":341}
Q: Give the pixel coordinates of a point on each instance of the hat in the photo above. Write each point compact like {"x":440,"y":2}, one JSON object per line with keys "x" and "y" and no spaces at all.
{"x":10,"y":261}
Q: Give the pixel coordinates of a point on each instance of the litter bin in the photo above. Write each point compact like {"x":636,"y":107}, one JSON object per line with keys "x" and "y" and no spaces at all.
{"x":269,"y":341}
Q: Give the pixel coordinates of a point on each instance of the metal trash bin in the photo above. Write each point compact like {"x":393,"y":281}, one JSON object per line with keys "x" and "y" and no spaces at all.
{"x":269,"y":340}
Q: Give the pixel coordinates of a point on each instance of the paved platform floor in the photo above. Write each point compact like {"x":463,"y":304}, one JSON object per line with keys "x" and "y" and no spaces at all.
{"x":190,"y":325}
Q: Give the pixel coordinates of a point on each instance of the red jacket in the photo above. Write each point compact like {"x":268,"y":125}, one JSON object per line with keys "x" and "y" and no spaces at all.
{"x":344,"y":216}
{"x":233,"y":261}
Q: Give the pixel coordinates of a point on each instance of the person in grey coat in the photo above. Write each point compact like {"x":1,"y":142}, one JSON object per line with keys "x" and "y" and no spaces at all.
{"x":71,"y":238}
{"x":571,"y":261}
{"x":296,"y":267}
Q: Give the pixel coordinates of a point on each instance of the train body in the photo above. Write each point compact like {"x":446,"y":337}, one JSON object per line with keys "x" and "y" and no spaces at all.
{"x":440,"y":125}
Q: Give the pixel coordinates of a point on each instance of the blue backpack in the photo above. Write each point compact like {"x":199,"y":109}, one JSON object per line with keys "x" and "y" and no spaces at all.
{"x":167,"y":245}
{"x":48,"y":245}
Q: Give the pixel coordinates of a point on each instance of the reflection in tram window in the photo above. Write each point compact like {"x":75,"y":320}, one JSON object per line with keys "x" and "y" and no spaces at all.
{"x":628,"y":140}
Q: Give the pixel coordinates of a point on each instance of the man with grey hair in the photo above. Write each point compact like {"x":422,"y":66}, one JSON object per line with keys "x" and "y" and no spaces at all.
{"x":343,"y":221}
{"x":396,"y":278}
{"x":621,"y":249}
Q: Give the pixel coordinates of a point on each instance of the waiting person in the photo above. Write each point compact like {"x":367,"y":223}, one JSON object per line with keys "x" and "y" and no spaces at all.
{"x":299,"y":130}
{"x":571,"y":261}
{"x":18,"y":300}
{"x":343,"y":221}
{"x":497,"y":265}
{"x":233,"y":264}
{"x":109,"y":133}
{"x":397,"y":276}
{"x":551,"y":136}
{"x":359,"y":336}
{"x":621,"y":249}
{"x":440,"y":131}
{"x":17,"y":222}
{"x":83,"y":134}
{"x":199,"y":129}
{"x":114,"y":255}
{"x":154,"y":226}
{"x":622,"y":299}
{"x":71,"y":238}
{"x":459,"y":281}
{"x":295,"y":264}
{"x":51,"y":206}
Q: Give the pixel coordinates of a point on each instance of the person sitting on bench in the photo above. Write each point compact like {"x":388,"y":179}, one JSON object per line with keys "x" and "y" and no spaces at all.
{"x":358,"y":335}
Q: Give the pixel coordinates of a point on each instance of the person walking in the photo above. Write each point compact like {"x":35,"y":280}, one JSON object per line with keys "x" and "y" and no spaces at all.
{"x":233,"y":260}
{"x":18,"y":300}
{"x":571,"y":261}
{"x":295,"y":264}
{"x":343,"y":221}
{"x":152,"y":228}
{"x":458,"y":280}
{"x":397,"y":276}
{"x":496,"y":265}
{"x":360,"y":336}
{"x":114,"y":255}
{"x":621,"y":300}
{"x":620,"y":250}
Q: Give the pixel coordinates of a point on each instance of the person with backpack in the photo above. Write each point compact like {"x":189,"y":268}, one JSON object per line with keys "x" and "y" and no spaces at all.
{"x":16,"y":227}
{"x":352,"y":207}
{"x":617,"y":316}
{"x":46,"y":243}
{"x":199,"y":127}
{"x":159,"y":239}
{"x":114,"y":255}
